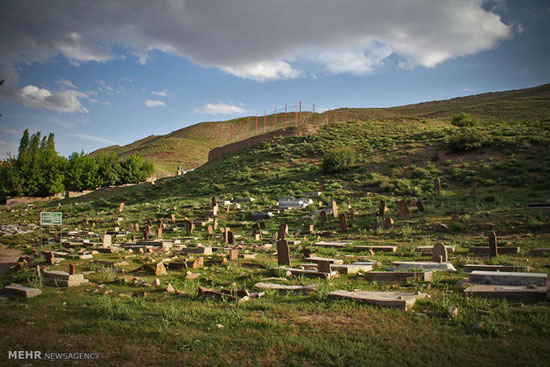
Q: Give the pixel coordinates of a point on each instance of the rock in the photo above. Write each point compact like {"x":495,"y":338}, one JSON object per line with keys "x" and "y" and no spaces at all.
{"x":170,"y":288}
{"x":156,"y":283}
{"x":452,"y":311}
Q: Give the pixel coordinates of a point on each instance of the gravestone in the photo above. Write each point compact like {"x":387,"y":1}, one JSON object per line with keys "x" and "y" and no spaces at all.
{"x":233,"y":254}
{"x":420,"y":206}
{"x":324,"y":217}
{"x":306,"y":252}
{"x":473,"y":187}
{"x":199,"y":262}
{"x":189,"y":226}
{"x":323,"y":266}
{"x":210,"y":230}
{"x":439,"y":253}
{"x":173,"y":218}
{"x":437,"y":186}
{"x":215,"y":224}
{"x":403,"y":208}
{"x":214,"y":202}
{"x":159,"y":232}
{"x":136,"y":227}
{"x":145,"y":235}
{"x":149,"y":222}
{"x":230,"y":237}
{"x":283,"y":253}
{"x":382,"y":209}
{"x":255,"y":227}
{"x":283,"y":231}
{"x":334,"y":208}
{"x":72,"y":269}
{"x":160,"y":269}
{"x":351,"y":214}
{"x":120,"y":207}
{"x":493,"y":243}
{"x":225,"y":232}
{"x":107,"y":241}
{"x":215,"y":211}
{"x":257,"y":236}
{"x":388,"y":223}
{"x":343,"y":222}
{"x":311,"y":228}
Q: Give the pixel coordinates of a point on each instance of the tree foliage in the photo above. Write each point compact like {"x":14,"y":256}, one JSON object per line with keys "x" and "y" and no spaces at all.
{"x":39,"y":171}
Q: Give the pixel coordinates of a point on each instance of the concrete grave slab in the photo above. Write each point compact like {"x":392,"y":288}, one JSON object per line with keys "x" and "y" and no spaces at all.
{"x":508,"y":278}
{"x":423,"y":265}
{"x":398,"y":300}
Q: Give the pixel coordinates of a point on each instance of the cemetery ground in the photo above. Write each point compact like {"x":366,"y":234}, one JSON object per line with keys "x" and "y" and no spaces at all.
{"x":198,"y":312}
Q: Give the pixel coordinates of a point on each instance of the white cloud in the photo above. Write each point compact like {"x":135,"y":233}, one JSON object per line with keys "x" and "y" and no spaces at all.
{"x":160,"y":93}
{"x":152,"y":103}
{"x":59,"y":101}
{"x":260,"y":40}
{"x":219,"y":109}
{"x":66,"y":83}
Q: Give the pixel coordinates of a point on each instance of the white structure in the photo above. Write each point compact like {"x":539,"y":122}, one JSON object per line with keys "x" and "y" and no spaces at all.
{"x":292,"y":203}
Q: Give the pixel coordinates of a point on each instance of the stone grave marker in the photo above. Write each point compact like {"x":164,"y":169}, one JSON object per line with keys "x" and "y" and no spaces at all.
{"x":311,"y":228}
{"x":120,"y":207}
{"x":136,"y":227}
{"x":189,"y":226}
{"x":233,"y":254}
{"x":493,"y":243}
{"x":439,"y":253}
{"x":214,"y":202}
{"x":199,"y":262}
{"x":160,"y":269}
{"x":323,"y":266}
{"x":225,"y":233}
{"x":437,"y":186}
{"x":473,"y":187}
{"x":283,"y":253}
{"x":420,"y":206}
{"x":145,"y":235}
{"x":72,"y":269}
{"x":306,"y":252}
{"x":159,"y":232}
{"x":107,"y":240}
{"x":283,"y":231}
{"x":215,"y":224}
{"x":382,"y":208}
{"x":324,"y":217}
{"x":215,"y":211}
{"x":388,"y":222}
{"x":351,"y":214}
{"x":334,"y":208}
{"x":343,"y":222}
{"x":210,"y":230}
{"x":403,"y":208}
{"x":173,"y":218}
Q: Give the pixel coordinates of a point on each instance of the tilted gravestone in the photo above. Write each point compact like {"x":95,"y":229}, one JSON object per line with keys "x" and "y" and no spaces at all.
{"x":493,"y":243}
{"x":324,"y":217}
{"x":334,"y":208}
{"x":283,"y":253}
{"x":403,"y":208}
{"x":343,"y":222}
{"x":439,"y":253}
{"x":437,"y":186}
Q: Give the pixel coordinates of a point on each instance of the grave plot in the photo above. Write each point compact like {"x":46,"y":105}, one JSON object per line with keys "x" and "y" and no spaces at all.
{"x":507,"y":284}
{"x":398,"y":300}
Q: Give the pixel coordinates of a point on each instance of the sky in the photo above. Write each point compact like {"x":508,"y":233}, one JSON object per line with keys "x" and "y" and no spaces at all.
{"x":104,"y":72}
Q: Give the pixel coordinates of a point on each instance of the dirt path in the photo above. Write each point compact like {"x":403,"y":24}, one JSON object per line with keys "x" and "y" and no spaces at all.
{"x":8,"y":258}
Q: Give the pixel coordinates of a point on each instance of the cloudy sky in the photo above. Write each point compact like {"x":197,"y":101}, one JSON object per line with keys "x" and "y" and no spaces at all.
{"x":105,"y":72}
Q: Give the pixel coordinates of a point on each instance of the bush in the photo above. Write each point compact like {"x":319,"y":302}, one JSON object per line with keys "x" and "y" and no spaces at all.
{"x":463,"y":120}
{"x":338,"y":160}
{"x":468,"y":139}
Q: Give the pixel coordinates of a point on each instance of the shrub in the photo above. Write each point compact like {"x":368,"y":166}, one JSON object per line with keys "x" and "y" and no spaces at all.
{"x":468,"y":139}
{"x":338,"y":160}
{"x":463,"y":120}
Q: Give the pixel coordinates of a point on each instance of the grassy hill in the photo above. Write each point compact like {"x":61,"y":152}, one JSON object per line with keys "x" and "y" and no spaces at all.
{"x":399,"y":152}
{"x":188,"y":147}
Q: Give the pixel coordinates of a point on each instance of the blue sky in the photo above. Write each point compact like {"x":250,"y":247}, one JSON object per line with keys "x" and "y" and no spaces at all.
{"x":111,"y":72}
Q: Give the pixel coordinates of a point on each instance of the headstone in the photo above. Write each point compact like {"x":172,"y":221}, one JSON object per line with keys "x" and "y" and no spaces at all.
{"x":210,"y":230}
{"x":225,"y":232}
{"x":215,"y":224}
{"x":136,"y":227}
{"x":214,"y":202}
{"x":199,"y":262}
{"x":189,"y":226}
{"x":149,"y":222}
{"x":311,"y":228}
{"x":439,"y":253}
{"x":382,"y":208}
{"x":72,"y":269}
{"x":160,"y":269}
{"x":145,"y":235}
{"x":173,"y":218}
{"x":437,"y":186}
{"x":493,"y":243}
{"x":121,"y":207}
{"x":230,"y":237}
{"x":215,"y":211}
{"x":159,"y":232}
{"x":473,"y":187}
{"x":388,"y":222}
{"x":352,"y":214}
{"x":334,"y":208}
{"x":283,"y":253}
{"x":323,"y":266}
{"x":403,"y":208}
{"x":324,"y":217}
{"x":283,"y":231}
{"x":343,"y":222}
{"x":233,"y":254}
{"x":420,"y":206}
{"x":107,"y":241}
{"x":255,"y":227}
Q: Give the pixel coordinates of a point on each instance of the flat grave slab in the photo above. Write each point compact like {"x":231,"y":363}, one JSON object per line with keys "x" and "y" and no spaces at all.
{"x":308,"y":266}
{"x":506,"y":291}
{"x":472,"y":267}
{"x":312,"y":273}
{"x":197,"y":250}
{"x":15,"y":290}
{"x":485,"y":250}
{"x":317,"y":260}
{"x":428,"y":249}
{"x":286,"y":288}
{"x":397,"y":276}
{"x":350,"y":268}
{"x":423,"y":265}
{"x":376,"y":248}
{"x":398,"y":300}
{"x":508,"y":278}
{"x":332,"y":244}
{"x":54,"y":278}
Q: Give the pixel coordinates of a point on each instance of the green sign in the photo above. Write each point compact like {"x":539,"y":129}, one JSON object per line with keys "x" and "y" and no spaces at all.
{"x":51,"y":218}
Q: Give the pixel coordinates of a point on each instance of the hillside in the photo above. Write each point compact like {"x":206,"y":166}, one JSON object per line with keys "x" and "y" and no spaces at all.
{"x":189,"y":147}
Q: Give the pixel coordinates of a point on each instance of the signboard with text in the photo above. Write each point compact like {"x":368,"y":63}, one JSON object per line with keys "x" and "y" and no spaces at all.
{"x":51,"y":218}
